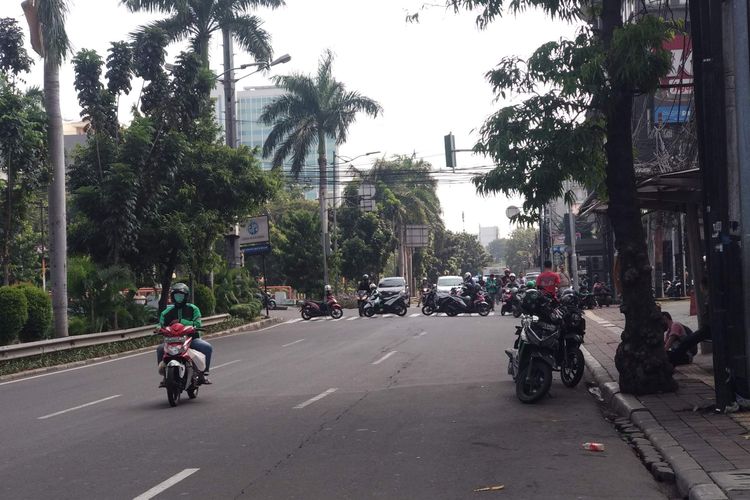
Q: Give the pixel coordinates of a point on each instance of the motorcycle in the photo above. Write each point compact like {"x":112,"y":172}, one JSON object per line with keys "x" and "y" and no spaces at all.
{"x":460,"y":302}
{"x":675,"y":289}
{"x":183,"y":367}
{"x":313,"y":309}
{"x":361,"y":301}
{"x":544,"y":346}
{"x":434,"y":302}
{"x":266,"y":299}
{"x":602,"y":294}
{"x":377,"y":304}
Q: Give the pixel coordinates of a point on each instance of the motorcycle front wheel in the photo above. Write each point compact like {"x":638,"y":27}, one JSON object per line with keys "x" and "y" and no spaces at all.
{"x":306,"y":314}
{"x":272,"y":304}
{"x":483,"y":309}
{"x":539,"y":376}
{"x":370,"y":312}
{"x":173,"y":386}
{"x":427,"y":310}
{"x":573,"y":367}
{"x":336,"y":313}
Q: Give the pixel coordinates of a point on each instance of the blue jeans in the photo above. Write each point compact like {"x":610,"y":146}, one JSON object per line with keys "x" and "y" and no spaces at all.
{"x":199,"y":345}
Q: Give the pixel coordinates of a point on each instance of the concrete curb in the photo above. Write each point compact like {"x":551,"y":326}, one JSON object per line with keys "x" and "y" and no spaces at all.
{"x":248,"y":328}
{"x":692,"y":481}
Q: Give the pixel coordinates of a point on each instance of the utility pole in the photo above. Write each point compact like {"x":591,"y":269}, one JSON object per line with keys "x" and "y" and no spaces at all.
{"x":230,"y":121}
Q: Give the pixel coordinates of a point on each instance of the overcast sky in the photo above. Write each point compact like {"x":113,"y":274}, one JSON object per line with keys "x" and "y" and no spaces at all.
{"x":429,"y":77}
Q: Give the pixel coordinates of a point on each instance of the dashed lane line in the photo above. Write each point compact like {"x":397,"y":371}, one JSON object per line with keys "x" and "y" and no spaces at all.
{"x":166,"y":484}
{"x":78,"y":407}
{"x":316,"y":398}
{"x":384,"y":358}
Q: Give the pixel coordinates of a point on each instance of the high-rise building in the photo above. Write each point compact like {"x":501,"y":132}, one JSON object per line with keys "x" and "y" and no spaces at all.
{"x":251,"y":133}
{"x":488,"y":234}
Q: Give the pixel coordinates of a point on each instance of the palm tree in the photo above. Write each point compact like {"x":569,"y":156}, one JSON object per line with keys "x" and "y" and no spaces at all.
{"x":46,"y":20}
{"x":198,"y":20}
{"x":312,"y":110}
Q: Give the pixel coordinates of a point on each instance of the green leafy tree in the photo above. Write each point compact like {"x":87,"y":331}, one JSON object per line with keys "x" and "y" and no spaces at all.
{"x":313,"y":109}
{"x":198,"y":20}
{"x":296,"y":248}
{"x":457,"y":253}
{"x":575,"y":124}
{"x":13,"y":313}
{"x":521,"y":250}
{"x":368,"y":241}
{"x":37,"y":326}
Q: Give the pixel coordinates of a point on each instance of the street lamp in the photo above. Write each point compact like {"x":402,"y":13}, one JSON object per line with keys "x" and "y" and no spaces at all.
{"x":335,"y":192}
{"x":230,"y":121}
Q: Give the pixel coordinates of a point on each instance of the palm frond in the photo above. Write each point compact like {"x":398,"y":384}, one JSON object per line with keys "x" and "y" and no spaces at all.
{"x":244,"y":5}
{"x":300,"y":138}
{"x":153,"y":5}
{"x":279,"y":131}
{"x":303,"y":87}
{"x":176,"y":27}
{"x":250,"y":35}
{"x":52,"y":15}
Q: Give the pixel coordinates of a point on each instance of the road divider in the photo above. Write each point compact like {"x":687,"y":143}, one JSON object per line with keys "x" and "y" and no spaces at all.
{"x":78,"y":407}
{"x":166,"y":484}
{"x":316,"y":398}
{"x":384,"y":358}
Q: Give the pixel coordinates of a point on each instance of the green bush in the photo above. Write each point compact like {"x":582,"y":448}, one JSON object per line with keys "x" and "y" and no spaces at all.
{"x":78,"y":325}
{"x":13,"y":313}
{"x":255,"y":307}
{"x":251,"y":310}
{"x":205,"y":300}
{"x":38,"y":325}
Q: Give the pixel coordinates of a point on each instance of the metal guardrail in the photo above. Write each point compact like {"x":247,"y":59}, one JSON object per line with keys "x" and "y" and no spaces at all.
{"x":62,"y":344}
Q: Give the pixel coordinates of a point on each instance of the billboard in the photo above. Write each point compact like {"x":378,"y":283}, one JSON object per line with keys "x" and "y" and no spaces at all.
{"x":673,"y":101}
{"x":254,"y":232}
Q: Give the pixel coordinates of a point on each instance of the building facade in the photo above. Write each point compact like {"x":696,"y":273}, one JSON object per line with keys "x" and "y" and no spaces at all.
{"x":488,"y":234}
{"x":251,"y":133}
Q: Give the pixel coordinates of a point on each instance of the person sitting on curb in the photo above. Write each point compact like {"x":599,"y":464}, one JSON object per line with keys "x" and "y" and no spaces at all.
{"x":679,"y":341}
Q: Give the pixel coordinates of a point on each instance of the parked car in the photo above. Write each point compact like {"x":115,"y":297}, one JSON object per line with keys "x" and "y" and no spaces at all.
{"x":446,"y":283}
{"x":392,"y":285}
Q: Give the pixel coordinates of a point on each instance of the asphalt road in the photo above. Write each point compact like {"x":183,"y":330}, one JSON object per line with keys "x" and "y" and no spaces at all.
{"x":395,"y":408}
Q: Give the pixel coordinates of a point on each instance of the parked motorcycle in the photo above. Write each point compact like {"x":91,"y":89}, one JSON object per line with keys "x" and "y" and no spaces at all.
{"x":548,"y":340}
{"x":675,"y":289}
{"x":602,"y":294}
{"x":377,"y":304}
{"x":266,"y":299}
{"x":511,"y":302}
{"x":435,"y":302}
{"x":183,"y":367}
{"x":461,"y":302}
{"x":313,"y":309}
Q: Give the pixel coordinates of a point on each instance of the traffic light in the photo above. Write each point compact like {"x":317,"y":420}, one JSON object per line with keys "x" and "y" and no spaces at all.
{"x":450,"y":151}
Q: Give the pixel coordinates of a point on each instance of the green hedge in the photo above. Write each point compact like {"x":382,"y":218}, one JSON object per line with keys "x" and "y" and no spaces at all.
{"x":39,"y":306}
{"x":205,"y":300}
{"x":13,"y":313}
{"x":251,"y":310}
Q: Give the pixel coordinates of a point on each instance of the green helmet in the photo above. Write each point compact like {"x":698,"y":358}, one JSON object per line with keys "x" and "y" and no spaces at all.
{"x":530,"y":284}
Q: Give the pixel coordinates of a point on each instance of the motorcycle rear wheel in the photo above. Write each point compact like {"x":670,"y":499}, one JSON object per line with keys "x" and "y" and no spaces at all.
{"x":540,"y":380}
{"x":272,"y":304}
{"x":451,"y":313}
{"x":173,"y":386}
{"x":427,"y":310}
{"x":400,"y":310}
{"x":573,"y":367}
{"x":370,"y":312}
{"x":336,"y":313}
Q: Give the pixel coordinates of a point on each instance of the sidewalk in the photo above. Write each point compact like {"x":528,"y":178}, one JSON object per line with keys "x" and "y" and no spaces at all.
{"x":709,"y":452}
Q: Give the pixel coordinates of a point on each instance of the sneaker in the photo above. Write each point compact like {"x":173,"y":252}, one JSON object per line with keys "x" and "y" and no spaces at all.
{"x":162,"y":384}
{"x":206,"y":380}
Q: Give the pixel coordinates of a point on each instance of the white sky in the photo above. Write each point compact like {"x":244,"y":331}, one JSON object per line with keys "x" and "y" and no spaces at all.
{"x":429,"y":77}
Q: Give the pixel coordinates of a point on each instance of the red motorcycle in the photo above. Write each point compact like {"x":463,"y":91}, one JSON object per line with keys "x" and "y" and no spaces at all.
{"x":312,"y":309}
{"x":183,"y":367}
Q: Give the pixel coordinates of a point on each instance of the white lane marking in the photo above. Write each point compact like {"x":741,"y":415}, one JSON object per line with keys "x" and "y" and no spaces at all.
{"x":227,"y":364}
{"x":384,"y":358}
{"x":289,"y":322}
{"x":292,"y":343}
{"x":352,"y":318}
{"x":166,"y":484}
{"x":389,"y":315}
{"x":422,"y":334}
{"x":316,"y":398}
{"x":415,"y":315}
{"x":78,"y":407}
{"x":492,"y":313}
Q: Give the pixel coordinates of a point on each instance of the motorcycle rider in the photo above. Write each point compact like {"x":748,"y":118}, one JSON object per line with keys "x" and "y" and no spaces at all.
{"x":470,"y":286}
{"x":424,"y":287}
{"x":492,"y":289}
{"x":505,"y":278}
{"x":364,"y":286}
{"x":327,"y":294}
{"x":512,"y":281}
{"x":188,"y":314}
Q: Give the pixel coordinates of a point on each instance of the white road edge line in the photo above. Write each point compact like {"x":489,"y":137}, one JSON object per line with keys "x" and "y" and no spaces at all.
{"x":166,"y":484}
{"x":316,"y":398}
{"x":352,"y":318}
{"x":227,"y":364}
{"x":421,"y":334}
{"x":78,"y":407}
{"x":292,"y":343}
{"x":414,"y":315}
{"x":291,"y":321}
{"x":384,"y":358}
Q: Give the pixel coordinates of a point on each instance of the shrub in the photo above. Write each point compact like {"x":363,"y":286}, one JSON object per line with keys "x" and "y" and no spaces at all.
{"x":13,"y":313}
{"x":37,"y":326}
{"x":78,"y":325}
{"x":205,"y":300}
{"x":251,"y":310}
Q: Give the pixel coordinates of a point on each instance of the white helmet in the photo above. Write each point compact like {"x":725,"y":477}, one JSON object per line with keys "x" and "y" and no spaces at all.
{"x":327,"y":288}
{"x":373,"y":286}
{"x":467,"y":275}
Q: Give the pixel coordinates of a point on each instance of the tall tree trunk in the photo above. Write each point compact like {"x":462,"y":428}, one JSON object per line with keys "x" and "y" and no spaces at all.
{"x":8,"y":222}
{"x":322,"y":195}
{"x":640,"y":359}
{"x":57,"y":210}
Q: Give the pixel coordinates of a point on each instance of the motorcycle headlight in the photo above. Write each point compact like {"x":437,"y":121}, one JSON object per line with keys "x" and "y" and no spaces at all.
{"x":174,"y":350}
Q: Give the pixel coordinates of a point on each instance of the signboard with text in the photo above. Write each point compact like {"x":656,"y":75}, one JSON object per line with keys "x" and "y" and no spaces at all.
{"x":254,"y":232}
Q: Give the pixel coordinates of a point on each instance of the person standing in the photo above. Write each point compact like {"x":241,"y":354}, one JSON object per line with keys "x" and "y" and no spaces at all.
{"x":492,"y":289}
{"x":548,"y":281}
{"x":564,"y":280}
